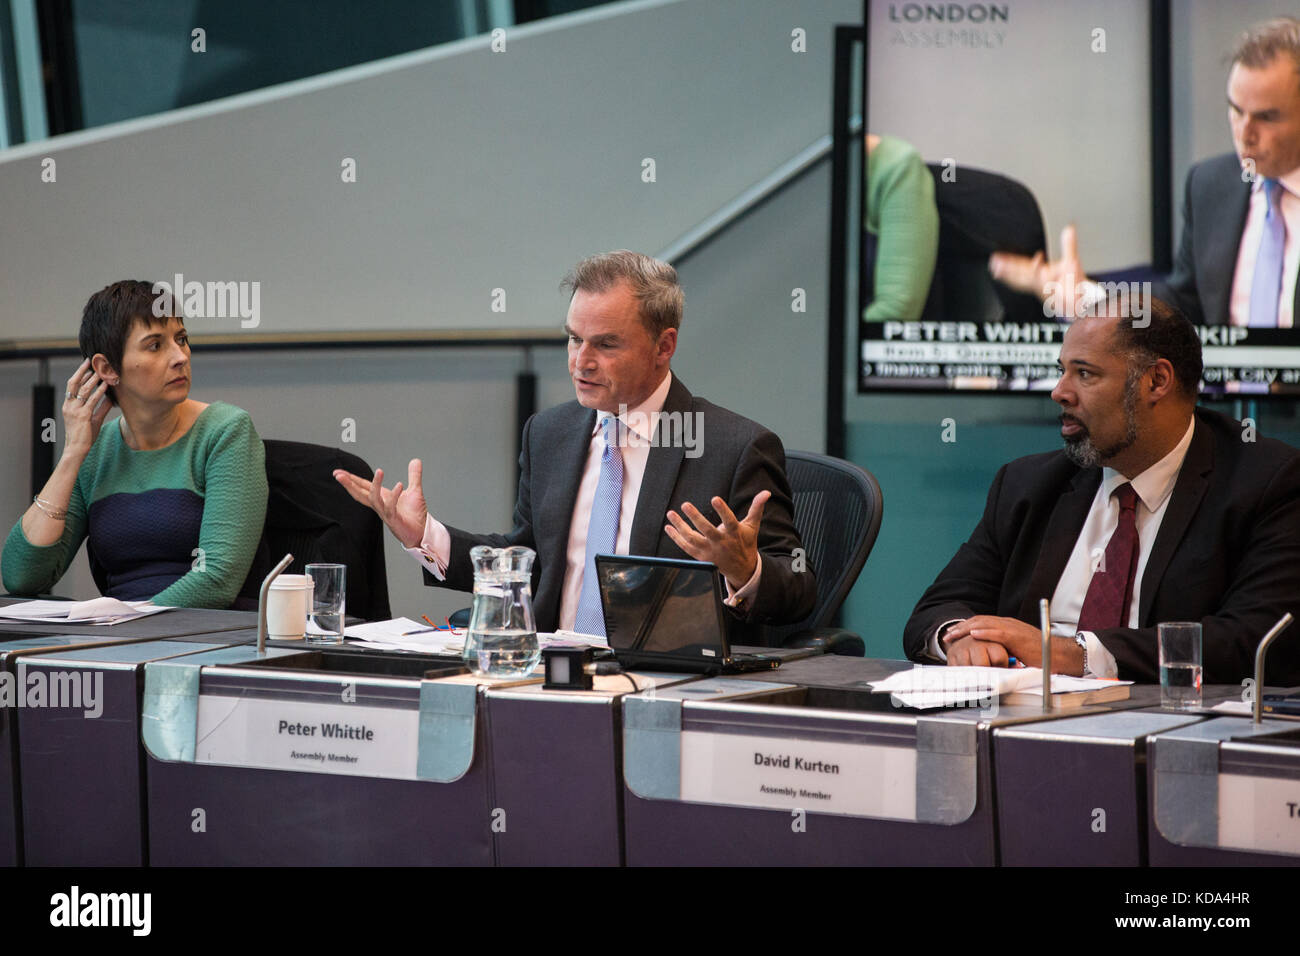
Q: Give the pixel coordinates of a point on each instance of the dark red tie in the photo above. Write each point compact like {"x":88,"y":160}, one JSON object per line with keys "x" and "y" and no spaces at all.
{"x":1111,"y":588}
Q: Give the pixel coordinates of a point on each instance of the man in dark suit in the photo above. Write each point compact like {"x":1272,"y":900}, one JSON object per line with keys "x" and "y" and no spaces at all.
{"x":1237,"y":258}
{"x":1155,"y":511}
{"x":1215,"y":206}
{"x":603,"y":473}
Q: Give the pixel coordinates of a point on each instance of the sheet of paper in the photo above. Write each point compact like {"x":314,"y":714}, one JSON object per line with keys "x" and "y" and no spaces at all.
{"x":547,"y":638}
{"x":36,"y":610}
{"x":926,"y":677}
{"x":1066,"y":684}
{"x":925,"y":687}
{"x":1239,"y":707}
{"x":112,"y":611}
{"x":382,"y":630}
{"x":393,"y":635}
{"x":928,"y":686}
{"x":102,"y":610}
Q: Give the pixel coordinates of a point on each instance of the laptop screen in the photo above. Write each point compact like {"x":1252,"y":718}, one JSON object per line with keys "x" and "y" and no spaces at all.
{"x":662,"y":606}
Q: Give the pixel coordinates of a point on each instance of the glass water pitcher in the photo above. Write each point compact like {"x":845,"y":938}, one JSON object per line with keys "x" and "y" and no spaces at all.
{"x":502,"y":638}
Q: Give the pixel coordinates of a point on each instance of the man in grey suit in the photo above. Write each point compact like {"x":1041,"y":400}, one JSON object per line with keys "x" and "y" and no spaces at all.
{"x":1224,"y":273}
{"x":627,"y":468}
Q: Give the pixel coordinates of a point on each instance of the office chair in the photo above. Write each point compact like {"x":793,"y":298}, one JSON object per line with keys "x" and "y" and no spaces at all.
{"x":309,"y":515}
{"x":981,"y":213}
{"x":837,"y":511}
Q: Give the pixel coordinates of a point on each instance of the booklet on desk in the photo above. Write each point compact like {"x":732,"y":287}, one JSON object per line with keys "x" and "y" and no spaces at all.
{"x":1065,"y":698}
{"x":928,"y":686}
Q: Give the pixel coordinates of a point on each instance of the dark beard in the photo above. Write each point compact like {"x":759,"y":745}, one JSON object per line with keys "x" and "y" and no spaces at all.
{"x":1080,"y":449}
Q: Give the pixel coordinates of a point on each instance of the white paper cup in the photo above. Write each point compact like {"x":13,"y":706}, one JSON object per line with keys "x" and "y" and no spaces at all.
{"x":287,"y":606}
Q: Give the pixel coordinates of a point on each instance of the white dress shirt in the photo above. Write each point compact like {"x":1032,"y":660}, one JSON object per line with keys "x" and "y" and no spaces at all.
{"x":1154,"y":488}
{"x":1248,"y":251}
{"x":636,"y":430}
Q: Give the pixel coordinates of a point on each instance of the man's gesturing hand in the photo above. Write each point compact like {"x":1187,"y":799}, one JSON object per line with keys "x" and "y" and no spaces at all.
{"x":732,"y":545}
{"x":404,"y":511}
{"x":1035,"y":275}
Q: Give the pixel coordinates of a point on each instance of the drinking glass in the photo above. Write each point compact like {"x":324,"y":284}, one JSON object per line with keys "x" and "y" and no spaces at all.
{"x":1180,"y":665}
{"x":328,"y":603}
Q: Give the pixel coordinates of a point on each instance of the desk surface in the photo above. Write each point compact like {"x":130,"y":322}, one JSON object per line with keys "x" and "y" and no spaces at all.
{"x":853,"y":673}
{"x":179,"y":622}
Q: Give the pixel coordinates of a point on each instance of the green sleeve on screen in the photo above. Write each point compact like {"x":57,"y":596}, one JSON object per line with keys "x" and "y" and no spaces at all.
{"x":902,"y":214}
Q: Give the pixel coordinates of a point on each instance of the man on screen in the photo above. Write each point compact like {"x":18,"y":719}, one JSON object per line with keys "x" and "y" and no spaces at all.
{"x":1156,"y":510}
{"x":600,"y":474}
{"x":1238,"y":256}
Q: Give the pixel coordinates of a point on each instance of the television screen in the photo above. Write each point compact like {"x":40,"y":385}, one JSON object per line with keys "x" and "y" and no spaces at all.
{"x":1032,"y":160}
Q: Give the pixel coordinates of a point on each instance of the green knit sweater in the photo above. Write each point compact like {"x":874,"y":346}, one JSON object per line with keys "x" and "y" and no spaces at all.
{"x":179,"y":524}
{"x":902,"y":214}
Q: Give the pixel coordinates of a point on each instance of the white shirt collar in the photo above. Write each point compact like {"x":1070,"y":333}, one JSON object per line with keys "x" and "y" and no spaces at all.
{"x":1291,"y":182}
{"x":1155,"y":484}
{"x":641,"y":419}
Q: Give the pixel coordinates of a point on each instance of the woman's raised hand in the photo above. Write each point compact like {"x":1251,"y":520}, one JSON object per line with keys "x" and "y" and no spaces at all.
{"x":85,"y":406}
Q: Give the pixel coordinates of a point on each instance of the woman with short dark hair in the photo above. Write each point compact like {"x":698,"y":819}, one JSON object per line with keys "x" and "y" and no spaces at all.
{"x":171,"y":495}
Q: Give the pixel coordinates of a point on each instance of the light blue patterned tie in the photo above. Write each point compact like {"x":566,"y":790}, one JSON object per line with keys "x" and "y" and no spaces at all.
{"x":602,"y":531}
{"x":1266,"y":286}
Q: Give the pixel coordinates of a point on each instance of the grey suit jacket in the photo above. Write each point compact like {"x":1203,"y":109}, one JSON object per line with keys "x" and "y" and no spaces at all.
{"x":1216,"y":200}
{"x":738,"y":458}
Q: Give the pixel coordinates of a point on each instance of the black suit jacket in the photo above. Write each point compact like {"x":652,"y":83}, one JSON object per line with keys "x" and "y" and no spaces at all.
{"x":1215,"y":202}
{"x":1227,"y":554}
{"x":738,"y":458}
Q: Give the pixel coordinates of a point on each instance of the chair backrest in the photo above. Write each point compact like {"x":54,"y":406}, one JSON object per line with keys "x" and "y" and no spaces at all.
{"x":309,"y":515}
{"x":837,"y":510}
{"x":980,"y":213}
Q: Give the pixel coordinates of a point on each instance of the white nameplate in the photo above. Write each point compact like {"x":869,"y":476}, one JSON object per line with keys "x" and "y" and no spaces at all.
{"x":865,"y":780}
{"x":1259,"y":813}
{"x":309,"y":737}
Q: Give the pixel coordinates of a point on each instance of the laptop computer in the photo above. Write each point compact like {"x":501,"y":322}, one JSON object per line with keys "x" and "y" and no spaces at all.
{"x":667,"y":614}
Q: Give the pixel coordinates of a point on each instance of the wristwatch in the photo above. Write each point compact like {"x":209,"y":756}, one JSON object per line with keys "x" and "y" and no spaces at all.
{"x":1083,"y":646}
